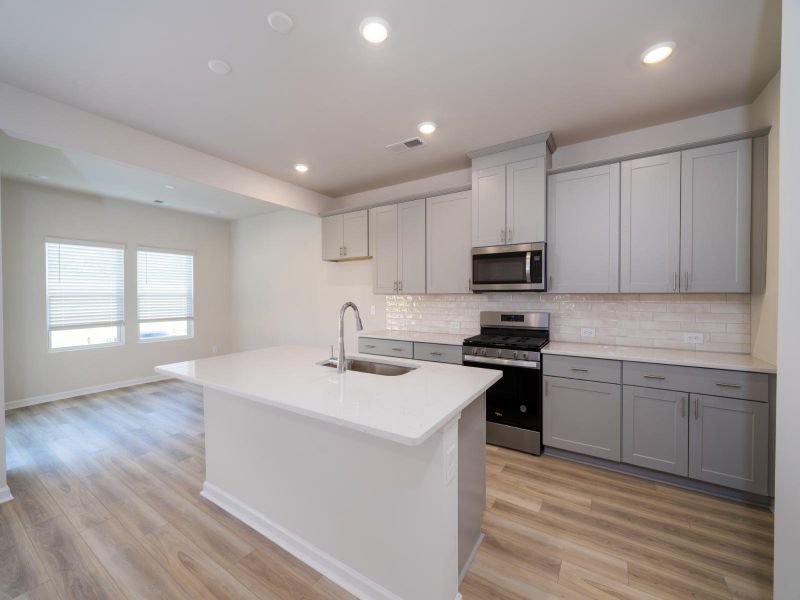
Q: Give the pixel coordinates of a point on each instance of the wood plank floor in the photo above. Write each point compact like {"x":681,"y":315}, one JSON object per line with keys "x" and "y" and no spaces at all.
{"x":107,"y":506}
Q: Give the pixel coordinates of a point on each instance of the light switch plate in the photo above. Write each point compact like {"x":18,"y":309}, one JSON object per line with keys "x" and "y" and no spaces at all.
{"x":587,"y":332}
{"x":693,"y":338}
{"x":372,"y":309}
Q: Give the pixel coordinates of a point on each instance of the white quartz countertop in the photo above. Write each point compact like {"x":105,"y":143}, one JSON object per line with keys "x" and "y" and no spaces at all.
{"x":406,"y":408}
{"x":450,"y":339}
{"x":686,"y":358}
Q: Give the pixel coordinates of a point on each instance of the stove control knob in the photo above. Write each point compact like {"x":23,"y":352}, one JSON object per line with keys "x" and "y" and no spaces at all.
{"x":499,"y":353}
{"x":474,"y":351}
{"x":523,"y":408}
{"x":483,"y":351}
{"x":524,"y":356}
{"x":514,"y":356}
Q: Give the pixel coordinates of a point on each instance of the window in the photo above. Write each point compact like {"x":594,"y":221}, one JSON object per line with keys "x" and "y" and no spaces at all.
{"x":166,"y":294}
{"x":85,"y":294}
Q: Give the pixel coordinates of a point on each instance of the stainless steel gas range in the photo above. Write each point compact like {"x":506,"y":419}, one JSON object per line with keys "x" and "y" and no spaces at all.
{"x":511,"y":342}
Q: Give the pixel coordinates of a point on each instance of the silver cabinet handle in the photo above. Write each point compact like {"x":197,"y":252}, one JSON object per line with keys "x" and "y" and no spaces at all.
{"x":730,"y":385}
{"x":659,"y":377}
{"x":369,"y":346}
{"x":550,"y":281}
{"x":344,"y":250}
{"x":398,"y":349}
{"x":503,"y":235}
{"x":674,"y":281}
{"x":580,"y":370}
{"x":509,"y":236}
{"x":546,"y":387}
{"x":683,"y":407}
{"x":400,"y":285}
{"x":436,"y":354}
{"x":697,"y":409}
{"x":686,"y":281}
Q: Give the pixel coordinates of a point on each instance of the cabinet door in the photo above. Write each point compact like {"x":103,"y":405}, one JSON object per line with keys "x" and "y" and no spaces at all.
{"x":729,"y":442}
{"x":525,"y":201}
{"x":582,"y":416}
{"x":489,"y":206}
{"x":655,"y":429}
{"x":715,"y":218}
{"x":449,"y":242}
{"x":411,"y":247}
{"x":354,"y":234}
{"x":650,"y":224}
{"x":383,"y":241}
{"x":583,"y":230}
{"x":332,"y":237}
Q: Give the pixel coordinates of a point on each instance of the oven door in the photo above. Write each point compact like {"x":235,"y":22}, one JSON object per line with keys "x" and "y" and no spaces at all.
{"x":519,"y":267}
{"x":515,"y":400}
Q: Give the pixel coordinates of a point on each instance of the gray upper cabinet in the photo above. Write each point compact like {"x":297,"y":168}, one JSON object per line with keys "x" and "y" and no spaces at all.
{"x":525,"y":201}
{"x":345,"y":236}
{"x":655,"y":429}
{"x":583,"y":230}
{"x":715,"y":218}
{"x":397,"y":233}
{"x":449,"y":243}
{"x":383,"y":241}
{"x":411,"y":247}
{"x":729,"y":442}
{"x":582,"y":416}
{"x":489,"y":206}
{"x":650,"y":224}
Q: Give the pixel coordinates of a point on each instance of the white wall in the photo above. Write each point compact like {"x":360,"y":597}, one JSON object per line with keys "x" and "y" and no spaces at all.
{"x":787,"y":466}
{"x":764,"y":112}
{"x":33,"y":212}
{"x":284,"y":293}
{"x":3,"y":484}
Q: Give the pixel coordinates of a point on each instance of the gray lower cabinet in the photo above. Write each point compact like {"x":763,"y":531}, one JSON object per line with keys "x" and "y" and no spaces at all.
{"x":655,"y":429}
{"x":729,"y":442}
{"x":582,"y":416}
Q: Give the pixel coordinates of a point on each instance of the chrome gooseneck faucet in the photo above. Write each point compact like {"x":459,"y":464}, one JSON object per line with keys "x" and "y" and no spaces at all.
{"x":341,"y":365}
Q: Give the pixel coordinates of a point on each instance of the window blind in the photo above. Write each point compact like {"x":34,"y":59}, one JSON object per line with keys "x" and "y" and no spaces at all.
{"x":165,"y":285}
{"x":85,"y":284}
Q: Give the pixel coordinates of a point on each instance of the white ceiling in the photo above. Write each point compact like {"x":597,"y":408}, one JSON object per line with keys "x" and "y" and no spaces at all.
{"x":486,"y":72}
{"x":27,"y":161}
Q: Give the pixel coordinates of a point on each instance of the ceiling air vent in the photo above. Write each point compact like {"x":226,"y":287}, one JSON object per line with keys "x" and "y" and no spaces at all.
{"x":408,"y":144}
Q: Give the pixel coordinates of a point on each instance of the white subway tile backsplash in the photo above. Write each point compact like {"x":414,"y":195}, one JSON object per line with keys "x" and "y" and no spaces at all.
{"x":646,"y":320}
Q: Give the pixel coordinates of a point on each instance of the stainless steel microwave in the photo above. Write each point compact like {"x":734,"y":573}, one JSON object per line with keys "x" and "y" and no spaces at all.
{"x":513,"y":268}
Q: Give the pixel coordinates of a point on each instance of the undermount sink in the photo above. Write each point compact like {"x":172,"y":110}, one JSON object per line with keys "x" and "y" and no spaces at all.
{"x":369,"y":366}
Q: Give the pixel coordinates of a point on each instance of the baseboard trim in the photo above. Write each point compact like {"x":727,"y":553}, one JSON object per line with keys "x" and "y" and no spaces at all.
{"x":470,"y":558}
{"x":332,"y":568}
{"x":5,"y":494}
{"x":94,"y":389}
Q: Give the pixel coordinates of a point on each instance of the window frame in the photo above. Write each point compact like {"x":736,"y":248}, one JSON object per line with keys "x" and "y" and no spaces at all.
{"x":190,"y":321}
{"x":121,"y":326}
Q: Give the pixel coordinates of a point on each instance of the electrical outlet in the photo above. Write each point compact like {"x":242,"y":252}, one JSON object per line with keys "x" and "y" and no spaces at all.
{"x":587,"y":331}
{"x":372,"y":310}
{"x":693,"y":338}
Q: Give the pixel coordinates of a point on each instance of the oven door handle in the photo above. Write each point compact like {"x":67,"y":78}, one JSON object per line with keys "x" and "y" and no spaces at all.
{"x":528,"y":266}
{"x":503,"y":362}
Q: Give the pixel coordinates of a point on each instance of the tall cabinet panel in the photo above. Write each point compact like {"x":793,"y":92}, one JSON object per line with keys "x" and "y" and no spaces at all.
{"x":383,"y":241}
{"x":449,"y":242}
{"x":655,"y":426}
{"x":411,"y":247}
{"x":525,"y":201}
{"x":354,"y":234}
{"x":715,"y":218}
{"x":489,"y":206}
{"x":583,"y":230}
{"x":332,"y":237}
{"x":650,"y":224}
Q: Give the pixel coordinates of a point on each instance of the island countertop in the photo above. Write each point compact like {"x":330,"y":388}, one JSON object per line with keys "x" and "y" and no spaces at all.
{"x":406,"y":409}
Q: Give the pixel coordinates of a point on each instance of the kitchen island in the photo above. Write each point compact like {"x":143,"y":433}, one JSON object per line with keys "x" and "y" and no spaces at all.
{"x":376,"y":481}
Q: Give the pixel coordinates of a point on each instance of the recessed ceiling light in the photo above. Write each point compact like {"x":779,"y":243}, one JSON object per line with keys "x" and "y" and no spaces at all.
{"x":220,"y":67}
{"x":374,"y":29}
{"x":301,"y":168}
{"x":658,"y":53}
{"x":427,"y":127}
{"x":169,"y":186}
{"x":280,"y":22}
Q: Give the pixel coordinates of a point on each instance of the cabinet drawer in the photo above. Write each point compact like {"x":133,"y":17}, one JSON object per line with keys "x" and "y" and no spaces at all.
{"x":386,"y":347}
{"x":576,"y":367}
{"x":437,"y":352}
{"x":696,"y":380}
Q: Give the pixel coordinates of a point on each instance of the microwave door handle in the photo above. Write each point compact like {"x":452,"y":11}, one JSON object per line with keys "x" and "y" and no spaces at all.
{"x":528,"y":266}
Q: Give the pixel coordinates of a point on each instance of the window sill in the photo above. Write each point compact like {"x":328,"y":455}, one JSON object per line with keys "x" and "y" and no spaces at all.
{"x":170,"y":338}
{"x":85,"y":347}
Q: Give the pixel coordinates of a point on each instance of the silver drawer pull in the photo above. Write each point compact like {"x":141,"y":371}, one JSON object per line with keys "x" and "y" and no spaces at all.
{"x":398,"y":349}
{"x":730,"y":385}
{"x":579,"y":370}
{"x":659,"y":377}
{"x":369,"y":345}
{"x":436,"y":354}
